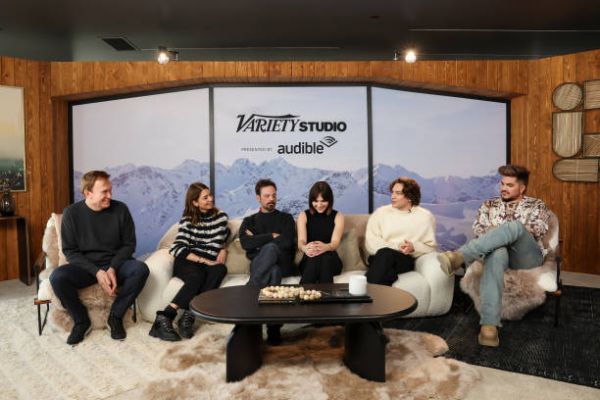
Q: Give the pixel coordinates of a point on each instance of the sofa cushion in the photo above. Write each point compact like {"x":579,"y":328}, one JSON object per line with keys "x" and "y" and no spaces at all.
{"x":349,"y":252}
{"x":237,"y":262}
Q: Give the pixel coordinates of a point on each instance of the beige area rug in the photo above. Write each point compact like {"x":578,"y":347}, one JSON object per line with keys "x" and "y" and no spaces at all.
{"x":45,"y":367}
{"x":311,"y":367}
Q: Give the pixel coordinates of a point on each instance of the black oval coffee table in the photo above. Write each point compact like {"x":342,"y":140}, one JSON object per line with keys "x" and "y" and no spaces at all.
{"x":364,"y":352}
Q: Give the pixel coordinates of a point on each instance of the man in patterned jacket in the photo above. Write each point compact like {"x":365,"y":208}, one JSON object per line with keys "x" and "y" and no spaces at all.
{"x":508,"y":233}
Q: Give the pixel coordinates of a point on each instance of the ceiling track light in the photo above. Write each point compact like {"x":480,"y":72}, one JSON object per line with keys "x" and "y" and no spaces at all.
{"x":165,"y":55}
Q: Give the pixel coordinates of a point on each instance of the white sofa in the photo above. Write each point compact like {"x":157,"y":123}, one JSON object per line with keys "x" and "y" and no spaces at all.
{"x":432,"y":288}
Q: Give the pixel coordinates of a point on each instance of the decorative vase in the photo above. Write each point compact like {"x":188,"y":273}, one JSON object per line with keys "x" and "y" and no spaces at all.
{"x":7,"y":203}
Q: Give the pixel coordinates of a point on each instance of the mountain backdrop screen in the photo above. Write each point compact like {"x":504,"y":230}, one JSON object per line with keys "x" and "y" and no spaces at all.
{"x":154,"y":145}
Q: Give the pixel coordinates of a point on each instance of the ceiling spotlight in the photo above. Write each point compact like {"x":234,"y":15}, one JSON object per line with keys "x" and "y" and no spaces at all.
{"x":164,"y":55}
{"x":396,"y":55}
{"x":410,"y":56}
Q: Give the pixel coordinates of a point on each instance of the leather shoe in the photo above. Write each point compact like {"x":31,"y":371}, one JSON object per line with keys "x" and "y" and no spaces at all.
{"x":115,"y":326}
{"x":488,"y":336}
{"x":450,"y":261}
{"x":79,"y":332}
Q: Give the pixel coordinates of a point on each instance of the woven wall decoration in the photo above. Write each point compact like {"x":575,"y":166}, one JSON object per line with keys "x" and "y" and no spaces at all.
{"x":591,"y":145}
{"x":567,"y":96}
{"x":567,"y":132}
{"x":577,"y":170}
{"x":592,"y":94}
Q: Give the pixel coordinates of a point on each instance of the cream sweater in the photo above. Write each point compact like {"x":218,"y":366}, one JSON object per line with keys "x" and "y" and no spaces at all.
{"x":389,"y":227}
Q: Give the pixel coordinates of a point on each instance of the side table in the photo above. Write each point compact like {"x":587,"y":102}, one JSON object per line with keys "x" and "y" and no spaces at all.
{"x":17,"y":248}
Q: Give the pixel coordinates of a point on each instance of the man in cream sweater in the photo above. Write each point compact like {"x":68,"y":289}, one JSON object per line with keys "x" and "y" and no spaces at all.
{"x":398,"y":233}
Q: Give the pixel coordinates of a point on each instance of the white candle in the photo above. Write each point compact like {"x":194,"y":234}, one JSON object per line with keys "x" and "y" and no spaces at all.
{"x":358,"y":285}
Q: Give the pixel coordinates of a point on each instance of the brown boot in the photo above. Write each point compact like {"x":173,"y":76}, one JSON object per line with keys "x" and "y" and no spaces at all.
{"x":450,"y":261}
{"x":488,"y":336}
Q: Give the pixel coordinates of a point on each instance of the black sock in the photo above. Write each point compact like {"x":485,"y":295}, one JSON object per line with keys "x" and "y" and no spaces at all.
{"x":170,"y":312}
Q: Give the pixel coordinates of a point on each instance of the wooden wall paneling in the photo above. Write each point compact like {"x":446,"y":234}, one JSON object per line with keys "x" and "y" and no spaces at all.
{"x":477,"y":74}
{"x":588,"y":252}
{"x":281,"y":71}
{"x":303,"y":71}
{"x":242,"y":71}
{"x":8,"y":71}
{"x":359,"y":71}
{"x":450,"y":73}
{"x":47,"y":172}
{"x":592,"y":121}
{"x":228,"y":70}
{"x":61,"y":156}
{"x":509,"y":76}
{"x":530,"y":81}
{"x":492,"y":77}
{"x":337,"y":71}
{"x":3,"y":252}
{"x":461,"y":74}
{"x":33,"y":134}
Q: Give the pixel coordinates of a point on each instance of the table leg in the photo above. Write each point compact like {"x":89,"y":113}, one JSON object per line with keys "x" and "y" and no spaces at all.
{"x":364,"y":352}
{"x":244,"y":351}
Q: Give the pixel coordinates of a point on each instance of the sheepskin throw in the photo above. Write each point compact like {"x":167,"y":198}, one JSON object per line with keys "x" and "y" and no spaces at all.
{"x":311,"y":367}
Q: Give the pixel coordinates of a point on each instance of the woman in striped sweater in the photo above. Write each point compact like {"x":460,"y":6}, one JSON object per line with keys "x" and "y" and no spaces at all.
{"x":199,"y":260}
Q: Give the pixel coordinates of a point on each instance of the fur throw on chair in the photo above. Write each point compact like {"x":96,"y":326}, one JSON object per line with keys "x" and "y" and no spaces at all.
{"x":522,"y":292}
{"x":97,"y":302}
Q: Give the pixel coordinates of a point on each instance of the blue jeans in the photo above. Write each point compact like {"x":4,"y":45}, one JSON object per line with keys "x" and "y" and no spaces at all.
{"x":508,"y":245}
{"x":264,"y":270}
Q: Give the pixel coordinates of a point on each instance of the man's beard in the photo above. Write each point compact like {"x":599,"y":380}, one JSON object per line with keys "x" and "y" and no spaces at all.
{"x":508,"y":199}
{"x":270,"y":206}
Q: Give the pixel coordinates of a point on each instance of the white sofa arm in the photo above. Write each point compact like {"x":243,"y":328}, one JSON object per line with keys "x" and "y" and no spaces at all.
{"x":441,"y":286}
{"x":160,"y":264}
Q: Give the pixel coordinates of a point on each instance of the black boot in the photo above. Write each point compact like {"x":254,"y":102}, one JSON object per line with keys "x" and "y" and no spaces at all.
{"x":186,"y":324}
{"x":162,"y":328}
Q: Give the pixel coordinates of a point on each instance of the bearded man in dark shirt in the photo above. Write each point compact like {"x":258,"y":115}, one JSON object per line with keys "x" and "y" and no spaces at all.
{"x":98,"y":240}
{"x":269,"y":238}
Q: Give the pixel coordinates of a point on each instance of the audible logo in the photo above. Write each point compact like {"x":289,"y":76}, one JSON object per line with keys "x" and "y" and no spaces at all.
{"x":306,"y":147}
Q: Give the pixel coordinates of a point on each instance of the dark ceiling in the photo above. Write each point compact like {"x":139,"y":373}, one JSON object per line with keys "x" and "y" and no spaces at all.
{"x":298,"y":30}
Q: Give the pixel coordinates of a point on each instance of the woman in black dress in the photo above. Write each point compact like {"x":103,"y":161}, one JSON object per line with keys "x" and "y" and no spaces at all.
{"x":320,"y":230}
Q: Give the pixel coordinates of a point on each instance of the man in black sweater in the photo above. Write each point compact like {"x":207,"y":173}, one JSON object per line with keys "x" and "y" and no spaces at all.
{"x":269,"y":238}
{"x":98,"y":240}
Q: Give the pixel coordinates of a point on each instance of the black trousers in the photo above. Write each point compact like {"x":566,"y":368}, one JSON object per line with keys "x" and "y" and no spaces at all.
{"x":197,"y":278}
{"x":320,"y":269}
{"x":386,"y":264}
{"x":67,"y":279}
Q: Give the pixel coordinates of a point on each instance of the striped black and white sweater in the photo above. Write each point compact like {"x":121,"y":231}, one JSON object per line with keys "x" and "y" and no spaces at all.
{"x":205,"y":239}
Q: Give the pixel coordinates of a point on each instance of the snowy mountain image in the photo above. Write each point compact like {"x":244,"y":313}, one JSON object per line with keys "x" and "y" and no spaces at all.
{"x":155,"y":196}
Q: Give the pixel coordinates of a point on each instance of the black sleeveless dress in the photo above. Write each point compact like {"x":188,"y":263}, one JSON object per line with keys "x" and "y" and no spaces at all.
{"x":322,"y":268}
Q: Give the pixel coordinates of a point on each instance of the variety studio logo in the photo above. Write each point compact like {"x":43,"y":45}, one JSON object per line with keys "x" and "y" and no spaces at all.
{"x":285,"y":123}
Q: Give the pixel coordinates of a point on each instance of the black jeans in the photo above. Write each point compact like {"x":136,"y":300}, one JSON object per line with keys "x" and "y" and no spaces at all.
{"x":320,"y":269}
{"x":66,"y":281}
{"x":386,"y":264}
{"x":197,"y":278}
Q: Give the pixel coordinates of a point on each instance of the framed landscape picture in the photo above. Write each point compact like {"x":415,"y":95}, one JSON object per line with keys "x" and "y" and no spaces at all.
{"x":12,"y":137}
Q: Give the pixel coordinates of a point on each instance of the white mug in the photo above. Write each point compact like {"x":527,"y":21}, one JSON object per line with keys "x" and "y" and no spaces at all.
{"x":357,"y":285}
